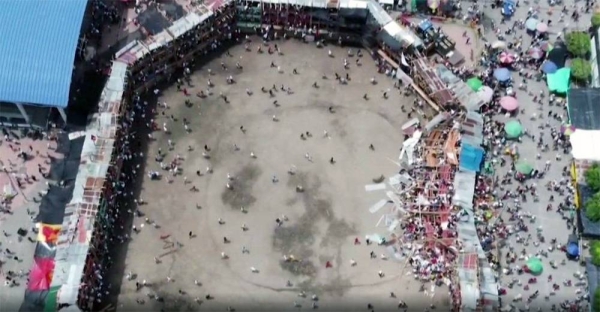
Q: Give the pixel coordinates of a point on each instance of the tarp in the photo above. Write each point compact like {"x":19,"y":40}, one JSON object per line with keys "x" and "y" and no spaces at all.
{"x":40,"y":276}
{"x":471,"y":158}
{"x":52,"y":207}
{"x":475,"y":84}
{"x":559,"y":81}
{"x":33,"y":301}
{"x":558,"y":55}
{"x":48,"y":233}
{"x":52,"y":299}
{"x":43,"y":250}
{"x":581,"y":149}
{"x":584,"y":111}
{"x":464,"y":189}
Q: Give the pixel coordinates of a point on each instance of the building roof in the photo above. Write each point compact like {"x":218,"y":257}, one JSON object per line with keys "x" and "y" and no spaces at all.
{"x":584,"y":112}
{"x":39,"y":39}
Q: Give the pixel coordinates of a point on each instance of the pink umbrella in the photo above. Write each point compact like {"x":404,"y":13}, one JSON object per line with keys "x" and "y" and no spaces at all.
{"x":536,"y":53}
{"x":506,"y":58}
{"x":509,"y":103}
{"x":541,"y":27}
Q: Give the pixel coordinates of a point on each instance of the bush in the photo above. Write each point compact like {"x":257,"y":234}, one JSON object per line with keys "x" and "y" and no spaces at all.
{"x":595,"y":252}
{"x":596,"y":20}
{"x":592,"y":208}
{"x":596,"y":301}
{"x":592,"y":177}
{"x":581,"y":69}
{"x":578,"y":43}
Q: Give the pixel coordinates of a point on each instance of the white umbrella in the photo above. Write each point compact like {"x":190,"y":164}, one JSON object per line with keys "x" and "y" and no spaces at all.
{"x":499,"y":44}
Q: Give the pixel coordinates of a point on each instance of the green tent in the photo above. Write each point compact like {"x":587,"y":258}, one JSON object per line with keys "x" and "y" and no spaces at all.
{"x":513,"y":129}
{"x":535,"y":266}
{"x":523,"y":167}
{"x":558,"y":82}
{"x":475,"y":84}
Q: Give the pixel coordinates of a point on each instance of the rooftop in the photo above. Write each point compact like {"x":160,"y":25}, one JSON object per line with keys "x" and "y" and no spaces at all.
{"x":39,"y":40}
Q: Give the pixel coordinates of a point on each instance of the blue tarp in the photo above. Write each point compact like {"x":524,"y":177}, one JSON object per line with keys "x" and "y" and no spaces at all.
{"x":471,"y":158}
{"x":425,"y":24}
{"x":39,"y":40}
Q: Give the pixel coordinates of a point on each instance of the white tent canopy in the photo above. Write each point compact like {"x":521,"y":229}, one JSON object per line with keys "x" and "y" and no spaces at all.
{"x":582,"y":145}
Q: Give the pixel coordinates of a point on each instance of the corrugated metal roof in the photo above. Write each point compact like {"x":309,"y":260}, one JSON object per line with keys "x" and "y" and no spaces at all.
{"x":39,"y":39}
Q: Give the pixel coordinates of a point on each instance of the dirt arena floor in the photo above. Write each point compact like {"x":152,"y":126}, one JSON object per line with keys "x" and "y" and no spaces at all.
{"x":322,"y":221}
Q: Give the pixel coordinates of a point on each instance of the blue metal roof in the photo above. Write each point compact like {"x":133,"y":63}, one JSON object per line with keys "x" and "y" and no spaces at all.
{"x":39,"y":39}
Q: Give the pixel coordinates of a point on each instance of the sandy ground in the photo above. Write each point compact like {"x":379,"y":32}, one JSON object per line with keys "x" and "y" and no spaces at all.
{"x":23,"y":209}
{"x":322,"y":221}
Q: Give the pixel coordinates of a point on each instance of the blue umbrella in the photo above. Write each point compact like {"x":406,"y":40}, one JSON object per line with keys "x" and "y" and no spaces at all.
{"x":502,"y":74}
{"x":573,"y":249}
{"x":549,"y":67}
{"x":531,"y":24}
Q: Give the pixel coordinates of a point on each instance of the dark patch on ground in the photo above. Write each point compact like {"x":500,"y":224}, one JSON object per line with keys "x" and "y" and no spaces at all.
{"x":339,"y":128}
{"x":299,"y":237}
{"x":241,"y":194}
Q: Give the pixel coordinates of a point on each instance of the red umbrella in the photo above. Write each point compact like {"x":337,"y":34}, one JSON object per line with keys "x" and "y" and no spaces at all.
{"x":506,"y":58}
{"x":41,"y":274}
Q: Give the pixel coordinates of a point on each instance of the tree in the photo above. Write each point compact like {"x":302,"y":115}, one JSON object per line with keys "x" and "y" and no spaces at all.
{"x":596,"y":20}
{"x":578,"y":43}
{"x":596,"y":301}
{"x":581,"y":69}
{"x":595,"y":252}
{"x":592,"y":177}
{"x":592,"y":208}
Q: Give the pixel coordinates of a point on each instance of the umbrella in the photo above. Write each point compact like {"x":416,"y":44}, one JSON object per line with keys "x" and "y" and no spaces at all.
{"x":536,"y":53}
{"x":486,"y":94}
{"x":509,"y":103}
{"x":513,"y":129}
{"x":499,"y":44}
{"x":541,"y":27}
{"x":573,"y":249}
{"x":475,"y":84}
{"x":523,"y":167}
{"x":549,"y":67}
{"x":545,"y":46}
{"x":502,"y":74}
{"x":531,"y":24}
{"x":40,"y":276}
{"x":433,"y":4}
{"x":506,"y":58}
{"x":535,"y":266}
{"x":567,"y":129}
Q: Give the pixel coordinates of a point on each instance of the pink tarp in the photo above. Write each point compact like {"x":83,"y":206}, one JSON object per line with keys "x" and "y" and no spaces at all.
{"x":41,"y":274}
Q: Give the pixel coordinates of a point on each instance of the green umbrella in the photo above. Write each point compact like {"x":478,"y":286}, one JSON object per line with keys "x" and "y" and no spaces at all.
{"x":535,"y":266}
{"x":523,"y":167}
{"x":513,"y":129}
{"x":475,"y":84}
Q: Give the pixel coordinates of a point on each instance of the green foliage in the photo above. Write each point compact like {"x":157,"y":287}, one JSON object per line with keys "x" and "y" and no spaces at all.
{"x":592,"y":177}
{"x":578,"y":43}
{"x":596,"y":20}
{"x":596,"y":301}
{"x":595,"y":252}
{"x":581,"y":69}
{"x":592,"y":208}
